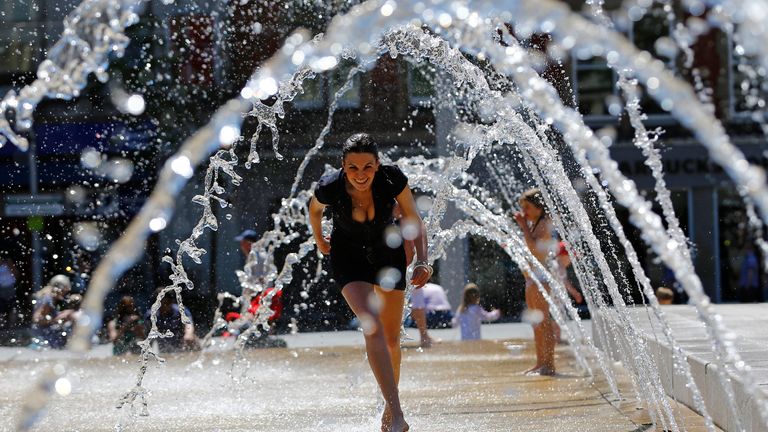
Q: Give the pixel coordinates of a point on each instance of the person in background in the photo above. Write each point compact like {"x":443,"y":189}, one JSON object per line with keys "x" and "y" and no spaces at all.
{"x":169,"y":319}
{"x":246,"y":239}
{"x":82,"y":271}
{"x":749,"y":275}
{"x":126,"y":328}
{"x":563,"y":264}
{"x":430,"y":309}
{"x":263,"y":339}
{"x":9,"y":275}
{"x":48,"y":302}
{"x":470,"y":315}
{"x":418,"y":301}
{"x":70,"y":313}
{"x":665,"y":296}
{"x":563,"y":261}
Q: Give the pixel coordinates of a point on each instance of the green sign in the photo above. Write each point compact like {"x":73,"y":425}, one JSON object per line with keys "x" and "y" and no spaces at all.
{"x":35,"y":223}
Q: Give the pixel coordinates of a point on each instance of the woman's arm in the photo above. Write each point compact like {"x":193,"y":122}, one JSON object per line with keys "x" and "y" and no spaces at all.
{"x":43,"y":316}
{"x":455,"y":319}
{"x":316,"y":222}
{"x":573,"y":291}
{"x":411,"y":218}
{"x":535,"y":244}
{"x":490,"y":316}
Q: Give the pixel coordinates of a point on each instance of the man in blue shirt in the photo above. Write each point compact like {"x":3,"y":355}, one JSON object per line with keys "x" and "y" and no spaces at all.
{"x":169,"y":319}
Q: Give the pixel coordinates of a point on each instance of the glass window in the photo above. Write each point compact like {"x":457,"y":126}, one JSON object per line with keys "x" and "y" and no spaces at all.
{"x":193,"y":45}
{"x":741,"y":261}
{"x":56,"y":10}
{"x":313,"y":96}
{"x":748,"y":86}
{"x":19,"y":49}
{"x":320,"y":90}
{"x":19,"y":10}
{"x":654,"y":25}
{"x":594,"y":82}
{"x":339,"y":77}
{"x":421,"y":83}
{"x":649,"y":29}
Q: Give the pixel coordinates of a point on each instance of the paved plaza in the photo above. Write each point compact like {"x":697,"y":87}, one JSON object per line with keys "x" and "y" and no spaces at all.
{"x":454,"y":386}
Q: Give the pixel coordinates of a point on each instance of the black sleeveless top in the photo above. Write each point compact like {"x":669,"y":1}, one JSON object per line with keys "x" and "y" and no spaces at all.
{"x":387,"y":184}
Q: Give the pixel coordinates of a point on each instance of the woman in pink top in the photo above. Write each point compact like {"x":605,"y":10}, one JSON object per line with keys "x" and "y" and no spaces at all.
{"x":470,"y":314}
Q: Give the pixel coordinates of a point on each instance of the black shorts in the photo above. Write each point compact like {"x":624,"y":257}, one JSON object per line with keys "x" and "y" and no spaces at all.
{"x":377,"y":264}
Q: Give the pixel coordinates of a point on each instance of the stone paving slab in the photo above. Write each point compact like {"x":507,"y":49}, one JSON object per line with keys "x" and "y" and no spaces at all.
{"x":454,"y":386}
{"x":746,"y":325}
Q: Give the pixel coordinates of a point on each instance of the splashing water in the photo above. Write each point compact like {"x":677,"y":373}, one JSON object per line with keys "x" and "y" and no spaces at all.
{"x":93,"y":32}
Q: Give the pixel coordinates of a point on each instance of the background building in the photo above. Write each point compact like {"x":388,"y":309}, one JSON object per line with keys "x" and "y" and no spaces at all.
{"x":92,"y":165}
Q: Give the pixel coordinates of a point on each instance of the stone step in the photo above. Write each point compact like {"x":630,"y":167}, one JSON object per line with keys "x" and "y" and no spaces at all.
{"x":747,"y":326}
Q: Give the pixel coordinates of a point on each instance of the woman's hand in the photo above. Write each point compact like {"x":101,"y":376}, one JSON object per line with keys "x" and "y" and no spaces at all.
{"x":323,"y":245}
{"x":521,"y":222}
{"x":421,"y":275}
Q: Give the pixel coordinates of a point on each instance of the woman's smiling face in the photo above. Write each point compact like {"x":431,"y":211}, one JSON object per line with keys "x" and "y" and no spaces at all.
{"x":360,"y":169}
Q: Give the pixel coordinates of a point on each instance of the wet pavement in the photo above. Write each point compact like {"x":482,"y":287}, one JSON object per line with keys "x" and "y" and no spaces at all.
{"x":454,"y":386}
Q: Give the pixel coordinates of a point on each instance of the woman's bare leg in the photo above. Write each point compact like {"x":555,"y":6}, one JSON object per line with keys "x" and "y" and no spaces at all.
{"x":543,"y":332}
{"x":357,"y":295}
{"x":420,"y":317}
{"x":391,"y":316}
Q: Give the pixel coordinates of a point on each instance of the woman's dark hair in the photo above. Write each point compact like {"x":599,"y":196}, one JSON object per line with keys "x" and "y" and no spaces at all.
{"x":360,"y":143}
{"x":535,"y":197}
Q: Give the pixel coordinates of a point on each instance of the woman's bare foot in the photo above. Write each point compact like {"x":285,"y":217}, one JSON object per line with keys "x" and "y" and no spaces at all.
{"x":398,"y":425}
{"x":393,"y":423}
{"x":386,"y":419}
{"x":533,"y":370}
{"x":429,"y":341}
{"x":541,"y":370}
{"x":426,"y":342}
{"x":547,"y":371}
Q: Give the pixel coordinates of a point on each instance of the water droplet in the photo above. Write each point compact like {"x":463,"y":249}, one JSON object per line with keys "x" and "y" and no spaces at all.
{"x":63,"y":387}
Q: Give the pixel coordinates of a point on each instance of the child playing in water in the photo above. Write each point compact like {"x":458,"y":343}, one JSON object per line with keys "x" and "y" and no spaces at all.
{"x":470,"y":314}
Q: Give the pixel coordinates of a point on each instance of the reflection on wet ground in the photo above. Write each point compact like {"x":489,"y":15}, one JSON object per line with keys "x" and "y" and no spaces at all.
{"x":454,"y":386}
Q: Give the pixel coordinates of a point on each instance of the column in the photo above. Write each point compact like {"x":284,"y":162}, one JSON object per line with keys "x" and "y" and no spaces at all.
{"x":454,"y":268}
{"x":704,"y":232}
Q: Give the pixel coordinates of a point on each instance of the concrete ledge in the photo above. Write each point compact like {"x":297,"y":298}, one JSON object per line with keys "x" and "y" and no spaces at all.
{"x":747,"y":324}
